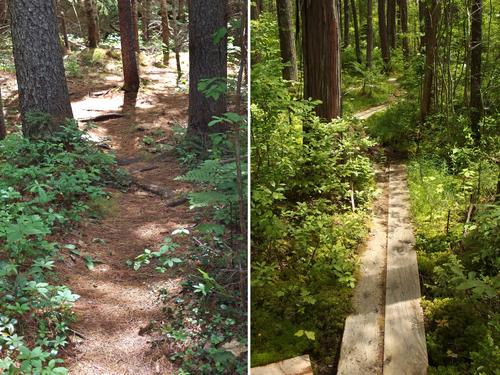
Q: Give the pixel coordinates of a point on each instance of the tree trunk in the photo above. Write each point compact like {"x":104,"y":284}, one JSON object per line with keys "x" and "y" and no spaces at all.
{"x":256,"y":9}
{"x":476,"y":105}
{"x":433,"y":14}
{"x":391,"y":23}
{"x":39,"y":65}
{"x":182,"y":10}
{"x":287,"y":39}
{"x":359,"y":57}
{"x":369,"y":33}
{"x":382,"y":30}
{"x":127,"y":38}
{"x":346,"y":24}
{"x":207,"y":60}
{"x":135,"y":25}
{"x":92,"y":28}
{"x":4,"y":12}
{"x":403,"y":13}
{"x":422,"y":22}
{"x":146,"y":18}
{"x":3,"y":131}
{"x":64,"y":32}
{"x":321,"y":46}
{"x":165,"y":32}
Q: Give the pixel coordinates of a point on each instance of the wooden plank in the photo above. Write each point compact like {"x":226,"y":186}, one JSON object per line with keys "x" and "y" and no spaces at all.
{"x":405,"y":351}
{"x":293,"y":366}
{"x":362,"y":342}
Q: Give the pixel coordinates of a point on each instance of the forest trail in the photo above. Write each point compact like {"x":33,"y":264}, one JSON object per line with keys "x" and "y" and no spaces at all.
{"x":385,"y":334}
{"x":116,"y":303}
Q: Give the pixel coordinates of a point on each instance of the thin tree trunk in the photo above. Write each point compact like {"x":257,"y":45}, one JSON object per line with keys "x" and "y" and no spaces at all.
{"x":403,"y":12}
{"x":206,"y":60}
{"x":135,"y":25}
{"x":39,"y":65}
{"x":433,"y":14}
{"x":391,"y":23}
{"x":476,"y":105}
{"x":64,"y":32}
{"x":3,"y":131}
{"x":165,"y":32}
{"x":369,"y":33}
{"x":256,"y":9}
{"x":92,"y":28}
{"x":346,"y":24}
{"x":322,"y":65}
{"x":146,"y":18}
{"x":177,"y":41}
{"x":382,"y":29}
{"x":359,"y":57}
{"x":287,"y":39}
{"x":129,"y":59}
{"x":182,"y":10}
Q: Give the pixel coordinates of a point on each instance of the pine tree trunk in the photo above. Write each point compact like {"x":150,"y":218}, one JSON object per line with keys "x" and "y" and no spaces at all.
{"x":39,"y":64}
{"x":422,"y":22}
{"x":135,"y":25}
{"x":182,"y":10}
{"x":391,"y":23}
{"x":256,"y":9}
{"x":369,"y":33}
{"x":3,"y":131}
{"x":359,"y":57}
{"x":403,"y":12}
{"x":433,"y":14}
{"x":322,"y":65}
{"x":4,"y":12}
{"x":206,"y":60}
{"x":92,"y":28}
{"x":127,"y":38}
{"x":382,"y":29}
{"x":146,"y":18}
{"x":287,"y":39}
{"x":476,"y":105}
{"x":165,"y":32}
{"x":346,"y":24}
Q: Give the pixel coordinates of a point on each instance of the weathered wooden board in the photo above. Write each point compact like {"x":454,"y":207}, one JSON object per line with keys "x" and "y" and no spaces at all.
{"x":405,"y":351}
{"x":362,"y":342}
{"x":294,"y":366}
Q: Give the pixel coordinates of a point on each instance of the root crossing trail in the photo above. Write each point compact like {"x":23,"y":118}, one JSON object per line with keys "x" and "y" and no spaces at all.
{"x":385,"y":334}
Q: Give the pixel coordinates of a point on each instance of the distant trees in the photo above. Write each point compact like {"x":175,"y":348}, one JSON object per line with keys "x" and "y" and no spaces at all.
{"x":3,"y":131}
{"x":39,"y":65}
{"x":369,"y":33}
{"x":92,"y":26}
{"x":287,"y":39}
{"x":321,"y":51}
{"x":382,"y":30}
{"x":207,"y":60}
{"x":127,"y":37}
{"x":165,"y":32}
{"x":476,"y":105}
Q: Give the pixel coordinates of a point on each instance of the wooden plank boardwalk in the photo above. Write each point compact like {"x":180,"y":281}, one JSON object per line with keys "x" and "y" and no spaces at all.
{"x":385,"y":334}
{"x":294,"y":366}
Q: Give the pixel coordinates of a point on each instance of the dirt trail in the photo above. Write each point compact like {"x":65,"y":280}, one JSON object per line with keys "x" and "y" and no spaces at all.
{"x":116,"y":302}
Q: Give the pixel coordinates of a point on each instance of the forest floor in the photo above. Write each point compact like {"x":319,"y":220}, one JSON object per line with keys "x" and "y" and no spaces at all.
{"x":117,"y":304}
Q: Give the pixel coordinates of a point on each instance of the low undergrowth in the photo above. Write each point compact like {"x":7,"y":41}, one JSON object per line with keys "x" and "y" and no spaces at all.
{"x":45,"y":186}
{"x":206,"y":321}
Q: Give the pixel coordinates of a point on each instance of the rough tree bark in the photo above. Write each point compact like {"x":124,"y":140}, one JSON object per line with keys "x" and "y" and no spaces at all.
{"x":382,"y":30}
{"x":345,"y":36}
{"x":369,"y":33}
{"x":287,"y":39}
{"x":476,"y":105}
{"x":127,"y":38}
{"x":39,"y":64}
{"x":433,"y":14}
{"x":354,"y":11}
{"x":165,"y":32}
{"x":391,"y":23}
{"x":207,"y":59}
{"x":146,"y":19}
{"x":403,"y":14}
{"x":92,"y":27}
{"x":321,"y":47}
{"x":135,"y":25}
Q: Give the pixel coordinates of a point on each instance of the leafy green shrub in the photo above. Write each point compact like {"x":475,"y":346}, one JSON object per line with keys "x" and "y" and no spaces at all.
{"x":44,"y":187}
